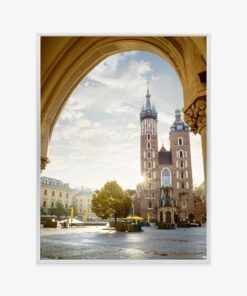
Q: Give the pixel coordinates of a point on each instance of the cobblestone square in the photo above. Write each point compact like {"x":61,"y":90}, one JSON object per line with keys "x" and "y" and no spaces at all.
{"x":97,"y":243}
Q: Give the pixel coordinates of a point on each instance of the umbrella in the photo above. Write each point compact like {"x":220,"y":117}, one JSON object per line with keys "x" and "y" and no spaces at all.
{"x":135,"y":218}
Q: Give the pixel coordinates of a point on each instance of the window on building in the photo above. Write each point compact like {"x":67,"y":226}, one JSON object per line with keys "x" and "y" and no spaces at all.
{"x":148,"y":136}
{"x":182,"y":185}
{"x":149,"y":165}
{"x":148,"y":145}
{"x":45,"y":192}
{"x":166,"y":177}
{"x":184,"y":204}
{"x":53,"y":193}
{"x":181,"y":163}
{"x":182,"y":175}
{"x":150,"y":175}
{"x":44,"y":204}
{"x":149,"y":154}
{"x":181,"y":154}
{"x":180,"y":141}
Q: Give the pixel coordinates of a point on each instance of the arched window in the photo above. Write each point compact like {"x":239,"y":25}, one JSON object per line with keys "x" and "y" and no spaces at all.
{"x":180,"y":141}
{"x":148,"y":145}
{"x":182,"y":175}
{"x":181,"y":154}
{"x":149,"y":165}
{"x":182,"y":185}
{"x":181,"y":163}
{"x":166,"y":179}
{"x":149,"y":154}
{"x":148,"y":136}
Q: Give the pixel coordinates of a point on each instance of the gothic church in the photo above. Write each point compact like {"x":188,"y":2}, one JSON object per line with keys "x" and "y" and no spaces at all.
{"x":162,"y":168}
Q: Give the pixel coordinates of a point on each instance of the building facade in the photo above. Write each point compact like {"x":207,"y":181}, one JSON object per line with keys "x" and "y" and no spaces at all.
{"x":54,"y":191}
{"x":162,"y":167}
{"x":82,"y":201}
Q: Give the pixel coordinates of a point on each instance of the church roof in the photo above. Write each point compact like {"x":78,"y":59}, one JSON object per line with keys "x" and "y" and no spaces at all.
{"x":147,"y":110}
{"x":165,"y":157}
{"x":162,"y":149}
{"x":179,"y":124}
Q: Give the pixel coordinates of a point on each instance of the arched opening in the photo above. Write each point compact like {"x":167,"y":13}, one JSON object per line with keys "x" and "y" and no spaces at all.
{"x":161,"y":216}
{"x":67,"y":60}
{"x":168,"y":217}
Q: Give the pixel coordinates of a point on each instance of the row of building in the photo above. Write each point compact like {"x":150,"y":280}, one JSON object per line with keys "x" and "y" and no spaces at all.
{"x":54,"y":191}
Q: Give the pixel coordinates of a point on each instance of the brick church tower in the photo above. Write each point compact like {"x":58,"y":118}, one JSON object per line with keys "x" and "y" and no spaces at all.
{"x":164,"y":167}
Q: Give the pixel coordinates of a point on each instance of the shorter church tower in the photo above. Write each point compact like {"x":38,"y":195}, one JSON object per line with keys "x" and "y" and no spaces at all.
{"x":181,"y":159}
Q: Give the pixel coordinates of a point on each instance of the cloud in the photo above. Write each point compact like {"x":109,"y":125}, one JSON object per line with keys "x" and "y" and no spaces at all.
{"x":96,"y":137}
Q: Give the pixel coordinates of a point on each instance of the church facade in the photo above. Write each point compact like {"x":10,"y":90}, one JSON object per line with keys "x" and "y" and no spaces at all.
{"x":162,"y":168}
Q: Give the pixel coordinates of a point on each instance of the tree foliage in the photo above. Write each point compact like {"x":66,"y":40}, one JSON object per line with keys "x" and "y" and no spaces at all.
{"x":111,"y":201}
{"x":59,"y":210}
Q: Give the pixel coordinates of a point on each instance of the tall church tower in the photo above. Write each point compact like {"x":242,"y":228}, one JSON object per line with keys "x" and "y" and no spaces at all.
{"x":149,"y":140}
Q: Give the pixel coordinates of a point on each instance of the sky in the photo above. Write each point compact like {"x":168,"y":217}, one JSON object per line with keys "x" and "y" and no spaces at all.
{"x":97,"y":135}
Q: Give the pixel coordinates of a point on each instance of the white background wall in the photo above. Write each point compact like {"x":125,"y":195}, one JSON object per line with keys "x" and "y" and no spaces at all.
{"x":226,"y":22}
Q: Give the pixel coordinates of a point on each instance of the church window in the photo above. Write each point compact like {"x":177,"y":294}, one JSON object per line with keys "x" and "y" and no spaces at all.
{"x":181,"y":154}
{"x":166,"y":177}
{"x":182,"y":175}
{"x":45,"y":192}
{"x":148,"y":145}
{"x":149,"y":165}
{"x":180,"y":141}
{"x":148,"y":136}
{"x":182,"y":185}
{"x":181,"y":163}
{"x":149,"y":154}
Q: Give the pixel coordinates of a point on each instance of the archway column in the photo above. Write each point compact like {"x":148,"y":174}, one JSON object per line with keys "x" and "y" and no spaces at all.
{"x":196,"y":117}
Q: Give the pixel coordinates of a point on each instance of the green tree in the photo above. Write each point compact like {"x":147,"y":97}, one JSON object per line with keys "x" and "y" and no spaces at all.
{"x":111,"y":201}
{"x":59,"y":210}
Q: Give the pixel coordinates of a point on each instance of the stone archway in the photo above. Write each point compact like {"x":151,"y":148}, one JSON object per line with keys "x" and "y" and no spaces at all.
{"x":65,"y":61}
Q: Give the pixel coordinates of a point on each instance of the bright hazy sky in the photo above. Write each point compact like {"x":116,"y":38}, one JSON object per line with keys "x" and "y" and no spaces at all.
{"x":97,"y":136}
